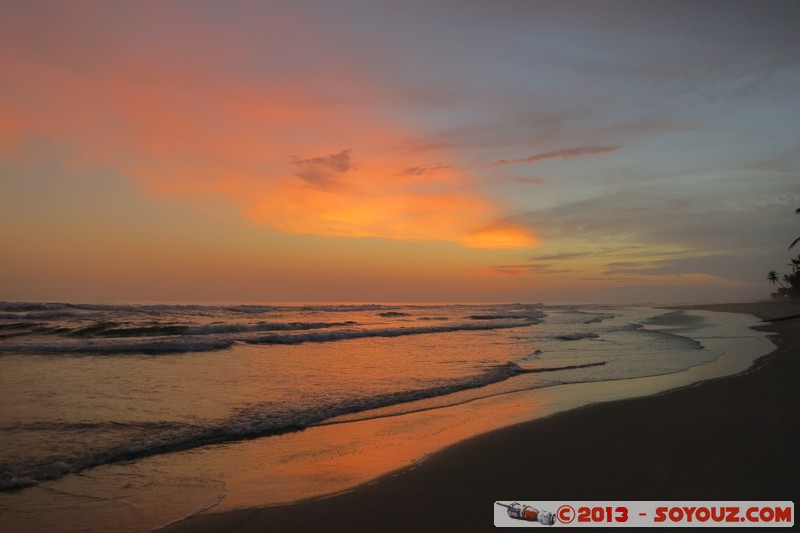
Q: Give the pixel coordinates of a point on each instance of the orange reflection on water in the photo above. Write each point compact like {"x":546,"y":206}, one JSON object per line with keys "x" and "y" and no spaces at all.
{"x":329,"y":459}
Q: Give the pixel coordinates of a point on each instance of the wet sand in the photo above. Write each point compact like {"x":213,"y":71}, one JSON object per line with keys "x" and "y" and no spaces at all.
{"x":725,"y":439}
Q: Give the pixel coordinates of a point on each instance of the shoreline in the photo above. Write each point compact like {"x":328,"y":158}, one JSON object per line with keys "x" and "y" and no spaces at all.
{"x":727,"y":438}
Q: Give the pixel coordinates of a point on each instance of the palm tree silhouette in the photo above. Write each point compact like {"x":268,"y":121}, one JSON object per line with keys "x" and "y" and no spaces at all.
{"x":773,"y":278}
{"x":797,"y":239}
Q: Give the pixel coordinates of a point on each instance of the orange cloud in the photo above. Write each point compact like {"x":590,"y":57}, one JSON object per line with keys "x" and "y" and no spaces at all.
{"x":499,"y":235}
{"x":558,"y":154}
{"x":420,"y":170}
{"x":322,"y":171}
{"x":516,"y":270}
{"x":281,"y":149}
{"x":368,"y":199}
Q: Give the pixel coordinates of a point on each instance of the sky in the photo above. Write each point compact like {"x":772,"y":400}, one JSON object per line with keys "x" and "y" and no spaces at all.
{"x":401,"y":151}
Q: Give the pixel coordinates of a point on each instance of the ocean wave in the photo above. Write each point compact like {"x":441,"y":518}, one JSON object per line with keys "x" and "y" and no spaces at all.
{"x":219,"y":337}
{"x":112,"y":329}
{"x":18,"y":325}
{"x":599,"y":318}
{"x":37,"y":315}
{"x":344,"y":308}
{"x":557,"y":368}
{"x":91,"y":426}
{"x":675,"y":340}
{"x":99,"y":347}
{"x":529,"y":314}
{"x":20,"y":329}
{"x":22,"y":306}
{"x":578,"y":336}
{"x":259,"y":420}
{"x":169,"y":329}
{"x":255,"y":421}
{"x":73,"y":308}
{"x":366,"y":333}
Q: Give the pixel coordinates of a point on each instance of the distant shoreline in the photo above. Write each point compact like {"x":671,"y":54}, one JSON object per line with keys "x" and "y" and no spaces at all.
{"x":725,"y":439}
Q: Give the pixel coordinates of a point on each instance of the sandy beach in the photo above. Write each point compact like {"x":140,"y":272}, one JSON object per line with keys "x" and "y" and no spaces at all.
{"x":724,"y":439}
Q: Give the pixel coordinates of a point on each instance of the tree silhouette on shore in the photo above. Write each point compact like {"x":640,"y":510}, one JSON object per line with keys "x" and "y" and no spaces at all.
{"x":773,"y":278}
{"x":792,"y":292}
{"x":797,"y":211}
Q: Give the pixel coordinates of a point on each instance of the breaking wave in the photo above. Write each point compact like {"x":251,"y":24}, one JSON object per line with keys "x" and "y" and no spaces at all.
{"x":53,"y":328}
{"x":578,"y":336}
{"x":210,"y":338}
{"x":405,"y":371}
{"x":254,"y":421}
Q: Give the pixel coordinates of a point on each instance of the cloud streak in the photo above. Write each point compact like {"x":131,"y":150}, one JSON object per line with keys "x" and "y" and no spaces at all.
{"x":322,"y":171}
{"x":569,"y":153}
{"x":516,"y":270}
{"x":420,"y":170}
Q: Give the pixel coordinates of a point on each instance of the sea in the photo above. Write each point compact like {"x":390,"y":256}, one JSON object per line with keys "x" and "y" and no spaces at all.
{"x":100,"y":402}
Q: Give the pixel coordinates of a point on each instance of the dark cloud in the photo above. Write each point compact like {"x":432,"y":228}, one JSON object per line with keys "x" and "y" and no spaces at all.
{"x":710,"y":215}
{"x":424,"y":169}
{"x":558,"y":154}
{"x":737,"y":237}
{"x":524,"y":181}
{"x":514,"y":270}
{"x":636,"y":280}
{"x":322,"y":171}
{"x":600,"y":252}
{"x":719,"y":265}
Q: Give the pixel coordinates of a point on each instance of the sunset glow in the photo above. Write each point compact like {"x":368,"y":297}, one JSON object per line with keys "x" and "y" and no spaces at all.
{"x":152,"y":150}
